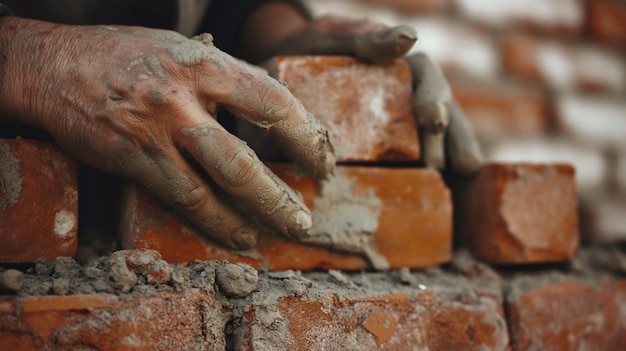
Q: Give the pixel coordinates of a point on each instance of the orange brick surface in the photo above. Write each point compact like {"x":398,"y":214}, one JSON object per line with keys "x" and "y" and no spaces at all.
{"x":520,"y":213}
{"x":38,"y":201}
{"x":502,"y":110}
{"x":556,"y":312}
{"x":165,"y":321}
{"x":448,"y":312}
{"x":536,"y":60}
{"x":607,"y":20}
{"x":414,"y":223}
{"x":357,"y":102}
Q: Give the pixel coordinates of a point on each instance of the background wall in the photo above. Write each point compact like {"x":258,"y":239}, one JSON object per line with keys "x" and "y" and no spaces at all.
{"x":540,"y":80}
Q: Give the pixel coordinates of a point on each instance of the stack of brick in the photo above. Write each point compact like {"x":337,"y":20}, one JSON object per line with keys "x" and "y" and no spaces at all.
{"x":386,"y":217}
{"x":541,"y":81}
{"x":509,"y":213}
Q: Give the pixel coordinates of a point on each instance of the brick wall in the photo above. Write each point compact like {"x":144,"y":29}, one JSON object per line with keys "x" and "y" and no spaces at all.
{"x":541,"y":81}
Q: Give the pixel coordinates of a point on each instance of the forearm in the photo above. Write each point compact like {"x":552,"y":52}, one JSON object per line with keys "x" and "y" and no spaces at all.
{"x":262,"y":32}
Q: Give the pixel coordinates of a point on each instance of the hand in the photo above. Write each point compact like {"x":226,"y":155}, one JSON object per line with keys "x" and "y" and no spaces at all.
{"x":441,"y":122}
{"x":132,"y":101}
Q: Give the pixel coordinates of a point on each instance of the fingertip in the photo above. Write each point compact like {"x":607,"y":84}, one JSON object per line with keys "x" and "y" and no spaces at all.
{"x":245,"y":238}
{"x":433,"y":150}
{"x":325,"y":167}
{"x":329,"y":165}
{"x":405,"y":32}
{"x":465,"y":153}
{"x":299,"y":224}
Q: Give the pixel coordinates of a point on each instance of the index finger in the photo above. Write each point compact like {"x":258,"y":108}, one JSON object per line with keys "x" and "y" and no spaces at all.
{"x":262,"y":101}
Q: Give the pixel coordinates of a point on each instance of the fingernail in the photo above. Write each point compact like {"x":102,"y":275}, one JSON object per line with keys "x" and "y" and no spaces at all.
{"x":245,"y":238}
{"x":298,"y":224}
{"x":406,"y":32}
{"x":329,"y":164}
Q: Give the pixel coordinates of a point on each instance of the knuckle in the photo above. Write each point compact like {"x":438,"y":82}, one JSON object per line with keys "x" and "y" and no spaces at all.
{"x":190,"y":198}
{"x":241,"y":167}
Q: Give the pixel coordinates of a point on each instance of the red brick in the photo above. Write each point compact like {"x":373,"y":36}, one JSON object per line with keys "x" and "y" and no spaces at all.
{"x":497,"y":111}
{"x":38,"y":201}
{"x":414,"y":223}
{"x":520,"y":213}
{"x":165,"y":321}
{"x":561,"y":66}
{"x":556,"y":312}
{"x":444,"y":312}
{"x":589,"y":162}
{"x":357,"y":102}
{"x":547,"y":16}
{"x":607,"y":20}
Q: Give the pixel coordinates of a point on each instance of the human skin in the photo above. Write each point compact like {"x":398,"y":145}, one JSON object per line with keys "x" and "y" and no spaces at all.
{"x":132,"y":101}
{"x":443,"y":127}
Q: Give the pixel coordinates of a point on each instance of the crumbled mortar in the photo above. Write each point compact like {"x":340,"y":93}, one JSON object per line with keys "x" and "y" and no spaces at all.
{"x":592,"y":266}
{"x":240,"y":289}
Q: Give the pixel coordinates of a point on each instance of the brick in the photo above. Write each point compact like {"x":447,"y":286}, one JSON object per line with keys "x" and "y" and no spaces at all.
{"x":607,"y":20}
{"x":566,"y":16}
{"x":553,"y":311}
{"x":497,"y":110}
{"x":165,"y":321}
{"x":356,"y":102}
{"x":561,"y":66}
{"x":38,"y":201}
{"x":597,"y":121}
{"x":443,"y":312}
{"x":589,"y":162}
{"x":520,"y":213}
{"x":413,"y":227}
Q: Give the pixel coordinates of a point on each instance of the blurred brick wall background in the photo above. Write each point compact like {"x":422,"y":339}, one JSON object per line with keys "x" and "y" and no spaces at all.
{"x":540,"y":80}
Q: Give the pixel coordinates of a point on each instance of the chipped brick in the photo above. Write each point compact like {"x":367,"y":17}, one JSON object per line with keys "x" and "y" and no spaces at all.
{"x":520,"y":213}
{"x":165,"y":321}
{"x":38,"y":201}
{"x":552,"y":311}
{"x":357,"y":102}
{"x":444,"y":312}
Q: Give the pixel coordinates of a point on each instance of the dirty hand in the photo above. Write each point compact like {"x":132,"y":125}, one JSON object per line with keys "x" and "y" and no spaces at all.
{"x":440,"y":120}
{"x":132,"y":101}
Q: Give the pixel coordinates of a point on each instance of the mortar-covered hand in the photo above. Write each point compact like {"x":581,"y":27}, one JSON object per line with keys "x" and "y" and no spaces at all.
{"x":134,"y":101}
{"x":440,"y":120}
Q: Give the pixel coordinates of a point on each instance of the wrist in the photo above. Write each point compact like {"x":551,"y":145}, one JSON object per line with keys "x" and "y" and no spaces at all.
{"x":27,"y":55}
